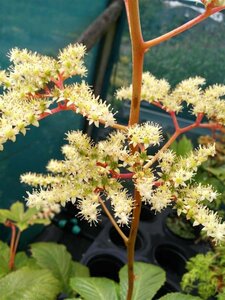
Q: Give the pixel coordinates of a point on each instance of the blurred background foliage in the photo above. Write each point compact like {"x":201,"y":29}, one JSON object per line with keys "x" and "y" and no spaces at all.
{"x":199,"y":51}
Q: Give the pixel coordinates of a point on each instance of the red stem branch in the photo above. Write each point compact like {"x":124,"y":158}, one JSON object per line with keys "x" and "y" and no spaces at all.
{"x":209,"y":11}
{"x":12,"y":243}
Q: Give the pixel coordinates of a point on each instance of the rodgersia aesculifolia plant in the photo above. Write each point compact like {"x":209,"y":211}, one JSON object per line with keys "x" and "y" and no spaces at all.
{"x":35,"y":87}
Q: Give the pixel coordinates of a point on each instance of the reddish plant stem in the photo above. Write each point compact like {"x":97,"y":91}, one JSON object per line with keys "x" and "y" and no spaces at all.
{"x":137,"y":44}
{"x":114,"y":173}
{"x":16,"y":242}
{"x":107,"y":212}
{"x":174,"y":119}
{"x":213,"y":126}
{"x":72,"y":107}
{"x":208,"y":12}
{"x":121,"y":176}
{"x":164,"y":148}
{"x":178,"y":131}
{"x":158,"y":104}
{"x":12,"y":244}
{"x":131,"y":243}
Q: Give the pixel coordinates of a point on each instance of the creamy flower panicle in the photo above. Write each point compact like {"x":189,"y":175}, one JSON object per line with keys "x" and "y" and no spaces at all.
{"x":34,"y":84}
{"x":91,"y":174}
{"x":200,"y":101}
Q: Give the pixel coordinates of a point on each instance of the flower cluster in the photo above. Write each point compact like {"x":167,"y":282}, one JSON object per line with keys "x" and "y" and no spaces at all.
{"x":91,"y":170}
{"x":34,"y":83}
{"x":158,"y":92}
{"x":189,"y":202}
{"x":147,"y":134}
{"x":85,"y":103}
{"x":90,"y":175}
{"x":173,"y":185}
{"x":81,"y":177}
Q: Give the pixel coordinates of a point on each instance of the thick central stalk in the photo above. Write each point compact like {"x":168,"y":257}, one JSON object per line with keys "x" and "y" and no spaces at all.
{"x":137,"y":43}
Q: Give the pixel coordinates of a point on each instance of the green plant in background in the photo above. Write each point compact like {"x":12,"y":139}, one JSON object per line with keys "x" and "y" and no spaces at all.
{"x":36,"y":87}
{"x":206,"y":274}
{"x":48,"y":270}
{"x":211,"y":173}
{"x":149,"y":279}
{"x":18,"y":219}
{"x":42,"y":273}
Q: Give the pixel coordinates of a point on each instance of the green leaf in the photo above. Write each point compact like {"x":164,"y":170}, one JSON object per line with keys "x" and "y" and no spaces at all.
{"x":182,"y":147}
{"x":14,"y":214}
{"x":29,"y":284}
{"x":22,"y":260}
{"x":5,"y":214}
{"x":4,"y":259}
{"x":30,"y":212}
{"x":148,"y":280}
{"x":2,"y":217}
{"x":179,"y":296}
{"x":17,"y":211}
{"x":219,"y":172}
{"x":91,"y":288}
{"x":22,"y":219}
{"x":79,"y":270}
{"x":55,"y":258}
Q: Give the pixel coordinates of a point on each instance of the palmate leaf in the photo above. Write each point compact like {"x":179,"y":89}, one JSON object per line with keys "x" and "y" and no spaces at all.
{"x":58,"y":260}
{"x":179,"y":296}
{"x":91,"y":288}
{"x":148,"y":280}
{"x":17,"y":215}
{"x":29,"y":284}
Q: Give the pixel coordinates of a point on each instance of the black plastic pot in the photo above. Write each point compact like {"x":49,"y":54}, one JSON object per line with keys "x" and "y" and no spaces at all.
{"x":155,"y":244}
{"x":105,"y":265}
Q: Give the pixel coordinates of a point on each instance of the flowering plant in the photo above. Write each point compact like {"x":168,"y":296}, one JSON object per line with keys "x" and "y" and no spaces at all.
{"x":91,"y":174}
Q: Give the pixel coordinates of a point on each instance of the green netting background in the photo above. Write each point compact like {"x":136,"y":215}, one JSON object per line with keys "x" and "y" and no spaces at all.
{"x":45,"y":27}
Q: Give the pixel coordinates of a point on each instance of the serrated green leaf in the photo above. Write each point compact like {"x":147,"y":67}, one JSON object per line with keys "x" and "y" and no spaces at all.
{"x":29,"y":284}
{"x":14,"y":214}
{"x":148,"y":280}
{"x":79,"y":270}
{"x":29,"y":213}
{"x":5,"y":214}
{"x":55,"y":258}
{"x":91,"y":288}
{"x":4,"y":259}
{"x":17,"y":211}
{"x":179,"y":296}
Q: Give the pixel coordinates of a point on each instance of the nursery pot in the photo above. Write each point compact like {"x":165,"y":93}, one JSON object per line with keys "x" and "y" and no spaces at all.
{"x":118,"y":241}
{"x":171,"y":259}
{"x":105,"y":265}
{"x":181,"y":227}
